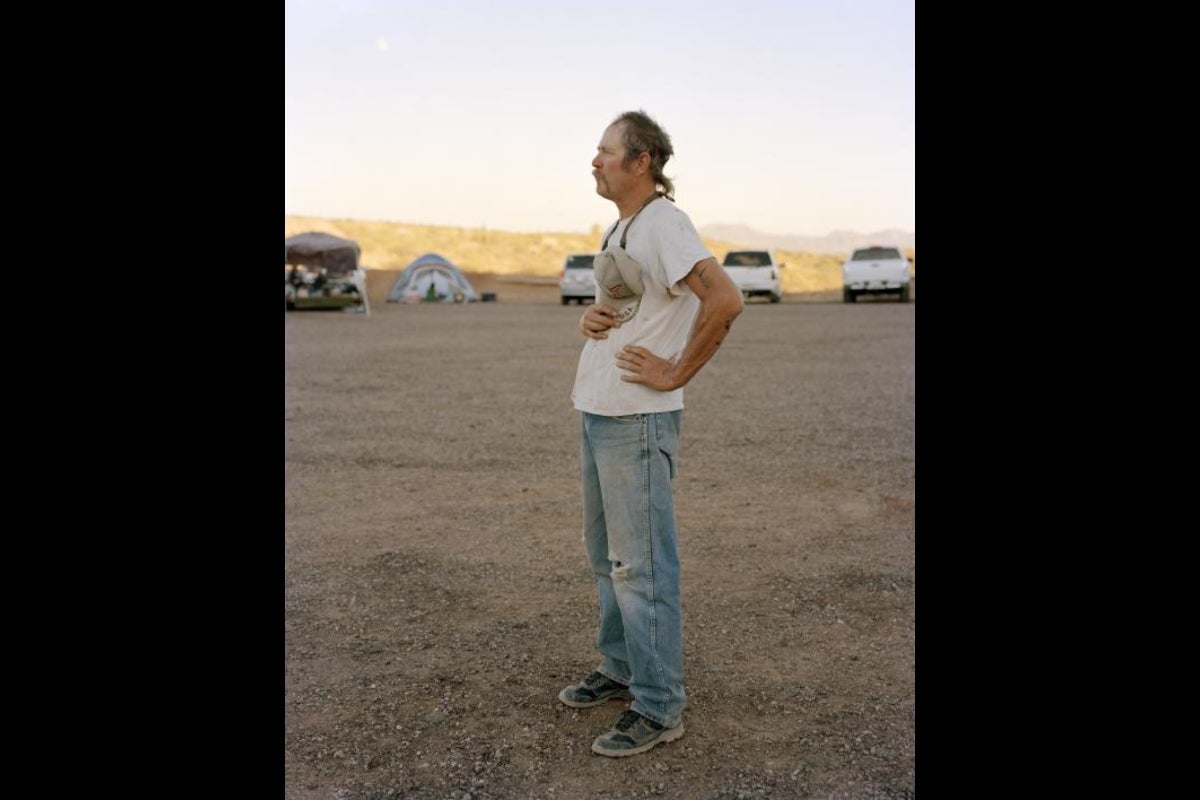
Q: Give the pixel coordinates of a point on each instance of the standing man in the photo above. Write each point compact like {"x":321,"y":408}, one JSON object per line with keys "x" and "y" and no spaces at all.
{"x":663,"y":307}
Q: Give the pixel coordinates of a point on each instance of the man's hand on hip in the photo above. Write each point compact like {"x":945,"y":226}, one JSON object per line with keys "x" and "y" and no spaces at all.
{"x":646,"y":368}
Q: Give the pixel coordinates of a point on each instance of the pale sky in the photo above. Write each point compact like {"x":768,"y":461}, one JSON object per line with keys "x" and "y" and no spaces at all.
{"x":790,"y":116}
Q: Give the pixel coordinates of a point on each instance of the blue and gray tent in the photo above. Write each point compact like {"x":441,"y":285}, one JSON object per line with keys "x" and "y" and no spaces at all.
{"x":432,"y":278}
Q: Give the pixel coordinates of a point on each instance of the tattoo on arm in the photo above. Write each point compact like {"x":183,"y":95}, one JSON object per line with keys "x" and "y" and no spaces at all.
{"x":701,"y":277}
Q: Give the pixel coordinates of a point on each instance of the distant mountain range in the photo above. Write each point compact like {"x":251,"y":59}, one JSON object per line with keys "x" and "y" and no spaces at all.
{"x":836,"y":243}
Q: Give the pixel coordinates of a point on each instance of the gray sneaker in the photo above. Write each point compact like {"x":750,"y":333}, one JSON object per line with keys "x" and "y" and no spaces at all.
{"x":634,"y":734}
{"x":594,"y":690}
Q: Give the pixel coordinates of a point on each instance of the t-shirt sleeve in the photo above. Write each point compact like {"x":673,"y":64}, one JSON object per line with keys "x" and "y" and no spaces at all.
{"x":680,"y":247}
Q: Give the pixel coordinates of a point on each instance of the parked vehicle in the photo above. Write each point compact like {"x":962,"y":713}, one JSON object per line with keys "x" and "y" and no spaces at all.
{"x":576,"y":281}
{"x":875,"y":270}
{"x":756,"y":273}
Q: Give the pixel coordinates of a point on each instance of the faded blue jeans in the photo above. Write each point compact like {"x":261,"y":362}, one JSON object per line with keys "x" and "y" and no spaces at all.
{"x":627,"y":464}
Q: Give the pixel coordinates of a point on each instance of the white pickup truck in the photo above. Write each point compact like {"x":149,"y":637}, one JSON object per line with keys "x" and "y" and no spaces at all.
{"x":875,"y":270}
{"x":756,"y":273}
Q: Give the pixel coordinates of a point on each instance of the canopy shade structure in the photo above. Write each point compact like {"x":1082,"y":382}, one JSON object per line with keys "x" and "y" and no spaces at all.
{"x":337,"y":256}
{"x":322,"y":272}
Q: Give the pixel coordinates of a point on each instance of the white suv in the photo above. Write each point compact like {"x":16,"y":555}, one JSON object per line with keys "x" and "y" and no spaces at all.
{"x":875,"y":270}
{"x":577,"y":281}
{"x":756,"y":273}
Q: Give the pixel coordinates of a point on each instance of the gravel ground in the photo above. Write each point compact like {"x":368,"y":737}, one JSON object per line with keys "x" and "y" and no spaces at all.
{"x":437,"y":596}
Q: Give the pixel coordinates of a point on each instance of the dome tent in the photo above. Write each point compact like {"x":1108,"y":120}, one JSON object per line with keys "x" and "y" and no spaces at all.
{"x":434,"y":279}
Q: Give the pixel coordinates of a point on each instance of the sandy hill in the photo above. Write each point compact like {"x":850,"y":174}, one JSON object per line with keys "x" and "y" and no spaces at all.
{"x":492,"y":256}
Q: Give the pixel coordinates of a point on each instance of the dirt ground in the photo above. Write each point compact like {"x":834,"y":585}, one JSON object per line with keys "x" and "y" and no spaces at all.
{"x":437,"y":597}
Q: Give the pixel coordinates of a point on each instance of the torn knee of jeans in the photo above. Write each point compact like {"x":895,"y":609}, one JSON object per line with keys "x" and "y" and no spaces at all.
{"x":619,"y":571}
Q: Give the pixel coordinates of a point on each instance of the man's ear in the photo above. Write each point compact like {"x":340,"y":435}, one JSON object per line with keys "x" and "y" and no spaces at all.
{"x":643,"y":162}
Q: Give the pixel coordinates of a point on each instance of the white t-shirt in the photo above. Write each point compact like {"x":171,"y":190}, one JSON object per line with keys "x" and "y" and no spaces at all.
{"x":665,"y":242}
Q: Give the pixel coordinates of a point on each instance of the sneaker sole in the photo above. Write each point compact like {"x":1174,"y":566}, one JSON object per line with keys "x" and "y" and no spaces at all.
{"x":621,"y":695}
{"x":668,"y":735}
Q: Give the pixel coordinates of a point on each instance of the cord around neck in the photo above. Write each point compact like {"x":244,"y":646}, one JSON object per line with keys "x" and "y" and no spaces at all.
{"x":625,"y":233}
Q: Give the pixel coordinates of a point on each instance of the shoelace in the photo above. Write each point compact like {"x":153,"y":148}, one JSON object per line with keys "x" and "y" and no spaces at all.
{"x":594,"y":680}
{"x":628,"y":720}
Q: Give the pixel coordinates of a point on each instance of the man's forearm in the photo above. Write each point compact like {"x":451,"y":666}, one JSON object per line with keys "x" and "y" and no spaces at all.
{"x":712,"y":325}
{"x":720,"y":304}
